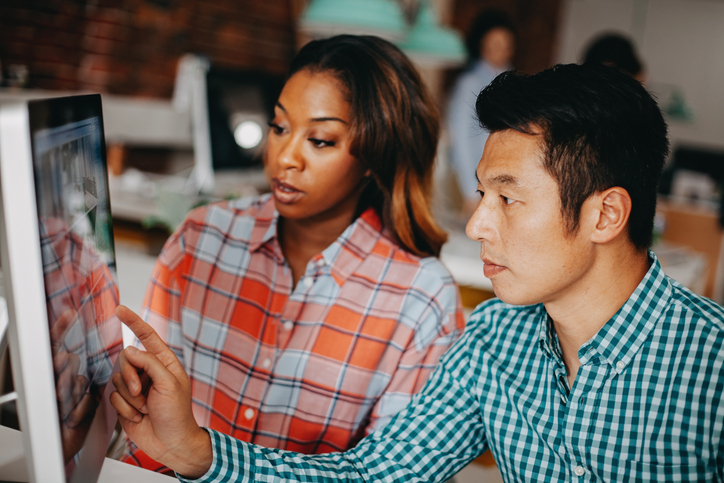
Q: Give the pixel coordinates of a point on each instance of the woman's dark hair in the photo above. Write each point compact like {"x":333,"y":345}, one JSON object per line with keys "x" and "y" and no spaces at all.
{"x":600,"y":129}
{"x":486,"y":21}
{"x":395,"y":128}
{"x":615,"y":50}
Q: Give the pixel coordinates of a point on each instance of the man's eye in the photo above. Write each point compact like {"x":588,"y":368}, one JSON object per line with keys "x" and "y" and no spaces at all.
{"x":481,"y":193}
{"x":507,"y":200}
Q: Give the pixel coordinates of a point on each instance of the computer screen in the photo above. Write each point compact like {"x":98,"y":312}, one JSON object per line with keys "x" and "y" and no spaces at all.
{"x":58,"y":254}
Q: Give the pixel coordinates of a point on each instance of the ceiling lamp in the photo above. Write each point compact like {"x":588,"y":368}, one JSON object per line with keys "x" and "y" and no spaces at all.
{"x":431,"y":45}
{"x":325,"y":18}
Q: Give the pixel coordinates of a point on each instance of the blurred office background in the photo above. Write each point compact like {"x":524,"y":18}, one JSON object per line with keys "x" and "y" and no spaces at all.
{"x":186,"y":85}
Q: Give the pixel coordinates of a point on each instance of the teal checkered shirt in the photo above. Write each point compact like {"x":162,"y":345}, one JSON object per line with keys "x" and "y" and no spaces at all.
{"x":647,"y":403}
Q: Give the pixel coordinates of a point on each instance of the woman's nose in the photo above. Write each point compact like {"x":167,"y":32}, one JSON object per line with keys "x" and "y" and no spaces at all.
{"x":289,"y":156}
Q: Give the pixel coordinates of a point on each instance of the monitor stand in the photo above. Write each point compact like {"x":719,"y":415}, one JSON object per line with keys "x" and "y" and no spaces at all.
{"x":12,"y":464}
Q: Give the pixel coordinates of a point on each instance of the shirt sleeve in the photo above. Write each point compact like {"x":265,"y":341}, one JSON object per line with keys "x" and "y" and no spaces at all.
{"x":439,"y":323}
{"x":467,"y":138}
{"x":438,"y":434}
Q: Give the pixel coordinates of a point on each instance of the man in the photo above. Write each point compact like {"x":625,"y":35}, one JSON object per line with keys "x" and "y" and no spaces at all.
{"x":592,"y":366}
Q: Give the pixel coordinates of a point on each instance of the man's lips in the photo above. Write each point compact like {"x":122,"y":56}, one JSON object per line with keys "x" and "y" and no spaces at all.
{"x":491,"y":269}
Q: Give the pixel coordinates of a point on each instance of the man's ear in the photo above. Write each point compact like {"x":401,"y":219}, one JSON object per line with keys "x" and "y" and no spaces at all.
{"x":612,"y":210}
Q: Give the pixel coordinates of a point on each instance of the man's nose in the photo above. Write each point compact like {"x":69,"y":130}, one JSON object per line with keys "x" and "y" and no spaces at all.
{"x":481,"y":224}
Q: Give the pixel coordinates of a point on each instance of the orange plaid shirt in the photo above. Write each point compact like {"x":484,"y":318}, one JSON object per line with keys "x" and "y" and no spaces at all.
{"x":311,"y":368}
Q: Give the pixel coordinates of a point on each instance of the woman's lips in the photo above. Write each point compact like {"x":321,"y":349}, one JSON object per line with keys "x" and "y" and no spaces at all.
{"x":284,"y":192}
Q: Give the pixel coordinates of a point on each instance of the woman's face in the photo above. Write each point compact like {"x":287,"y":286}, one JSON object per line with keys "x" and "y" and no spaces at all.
{"x":308,"y":163}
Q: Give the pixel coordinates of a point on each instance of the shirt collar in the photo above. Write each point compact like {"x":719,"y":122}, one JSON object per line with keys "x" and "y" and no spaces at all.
{"x":343,"y":256}
{"x":360,"y":239}
{"x":489,"y":69}
{"x":620,"y":339}
{"x":265,"y":224}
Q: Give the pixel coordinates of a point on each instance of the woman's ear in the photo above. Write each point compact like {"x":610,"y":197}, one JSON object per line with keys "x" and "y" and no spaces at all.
{"x":612,"y":210}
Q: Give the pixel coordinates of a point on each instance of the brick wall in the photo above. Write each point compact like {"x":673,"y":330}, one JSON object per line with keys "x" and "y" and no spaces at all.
{"x":133,"y":46}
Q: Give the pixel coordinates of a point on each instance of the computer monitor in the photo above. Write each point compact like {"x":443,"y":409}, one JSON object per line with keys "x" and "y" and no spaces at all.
{"x":58,"y":264}
{"x":229,"y":111}
{"x":240,"y":104}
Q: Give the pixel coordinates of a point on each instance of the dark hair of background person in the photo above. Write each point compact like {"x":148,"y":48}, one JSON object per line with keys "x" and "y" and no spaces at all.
{"x":601,"y":129}
{"x":395,"y":129}
{"x":485,"y":21}
{"x":615,"y":50}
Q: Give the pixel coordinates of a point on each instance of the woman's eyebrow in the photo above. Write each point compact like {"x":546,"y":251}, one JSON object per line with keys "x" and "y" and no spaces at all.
{"x":315,"y":119}
{"x":323,"y":119}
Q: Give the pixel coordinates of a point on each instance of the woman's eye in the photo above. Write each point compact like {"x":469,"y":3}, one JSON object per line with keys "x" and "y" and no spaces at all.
{"x":321,"y":143}
{"x":481,"y":193}
{"x":276,"y":128}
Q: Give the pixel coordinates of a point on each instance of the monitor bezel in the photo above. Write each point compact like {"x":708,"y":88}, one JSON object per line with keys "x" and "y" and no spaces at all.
{"x":33,"y":375}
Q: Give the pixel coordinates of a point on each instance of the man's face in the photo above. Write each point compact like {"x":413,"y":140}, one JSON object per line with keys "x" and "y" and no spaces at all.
{"x":528,"y":253}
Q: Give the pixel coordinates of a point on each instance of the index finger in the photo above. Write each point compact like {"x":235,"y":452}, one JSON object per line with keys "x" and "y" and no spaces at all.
{"x":148,"y":337}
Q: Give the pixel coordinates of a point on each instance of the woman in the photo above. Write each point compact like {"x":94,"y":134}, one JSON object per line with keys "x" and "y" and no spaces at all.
{"x":306,"y":318}
{"x":491,"y":45}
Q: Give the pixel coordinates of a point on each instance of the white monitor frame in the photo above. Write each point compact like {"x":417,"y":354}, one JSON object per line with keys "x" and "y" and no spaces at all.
{"x":30,"y":350}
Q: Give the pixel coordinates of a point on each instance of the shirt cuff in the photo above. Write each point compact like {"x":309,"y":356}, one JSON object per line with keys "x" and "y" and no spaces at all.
{"x":226,"y":463}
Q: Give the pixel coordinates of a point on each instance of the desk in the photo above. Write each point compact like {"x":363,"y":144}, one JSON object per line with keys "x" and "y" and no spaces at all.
{"x":12,"y":464}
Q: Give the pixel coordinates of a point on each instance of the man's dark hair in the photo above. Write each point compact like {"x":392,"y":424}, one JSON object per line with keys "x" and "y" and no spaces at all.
{"x":615,"y":50}
{"x":485,"y":21}
{"x":600,"y":129}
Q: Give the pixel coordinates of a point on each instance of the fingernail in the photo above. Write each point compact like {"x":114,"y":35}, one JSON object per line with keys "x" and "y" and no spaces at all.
{"x":131,"y":349}
{"x":144,"y":409}
{"x":137,"y":418}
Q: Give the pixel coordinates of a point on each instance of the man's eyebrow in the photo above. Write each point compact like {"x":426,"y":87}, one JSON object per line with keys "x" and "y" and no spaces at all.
{"x":500,"y":179}
{"x":315,"y":119}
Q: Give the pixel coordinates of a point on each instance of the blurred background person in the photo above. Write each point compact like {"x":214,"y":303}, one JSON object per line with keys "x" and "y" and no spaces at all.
{"x":616,"y":50}
{"x":491,"y":45}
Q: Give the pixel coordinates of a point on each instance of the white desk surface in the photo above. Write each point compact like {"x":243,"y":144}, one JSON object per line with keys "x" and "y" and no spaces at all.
{"x":12,"y":464}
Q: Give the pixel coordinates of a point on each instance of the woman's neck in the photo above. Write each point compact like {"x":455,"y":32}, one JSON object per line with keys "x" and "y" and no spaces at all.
{"x":302,"y":240}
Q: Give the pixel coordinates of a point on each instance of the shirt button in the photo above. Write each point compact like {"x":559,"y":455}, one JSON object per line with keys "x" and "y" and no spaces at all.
{"x":620,"y":365}
{"x":266,"y":363}
{"x":288,"y":325}
{"x":579,"y":471}
{"x":249,"y":413}
{"x":308,"y":281}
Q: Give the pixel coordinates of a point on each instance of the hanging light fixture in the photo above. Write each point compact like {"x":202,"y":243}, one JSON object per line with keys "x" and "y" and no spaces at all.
{"x":325,"y":18}
{"x":431,"y":45}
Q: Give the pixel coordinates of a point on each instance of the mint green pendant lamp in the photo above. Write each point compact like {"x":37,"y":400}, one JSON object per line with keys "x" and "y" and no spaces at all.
{"x":428,"y":43}
{"x":324,"y":18}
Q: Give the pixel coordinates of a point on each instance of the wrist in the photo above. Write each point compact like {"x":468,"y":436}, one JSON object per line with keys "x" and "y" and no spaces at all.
{"x":199,"y":456}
